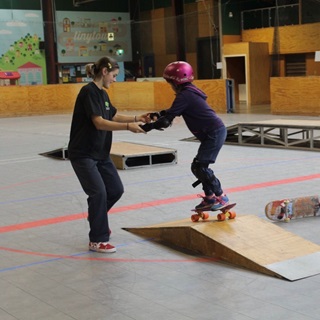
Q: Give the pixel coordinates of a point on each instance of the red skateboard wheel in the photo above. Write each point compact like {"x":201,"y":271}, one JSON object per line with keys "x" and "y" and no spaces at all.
{"x":232,"y":215}
{"x":205,"y":215}
{"x":195,"y":218}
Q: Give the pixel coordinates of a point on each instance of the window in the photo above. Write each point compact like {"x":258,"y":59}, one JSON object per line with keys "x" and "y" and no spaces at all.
{"x":295,"y":65}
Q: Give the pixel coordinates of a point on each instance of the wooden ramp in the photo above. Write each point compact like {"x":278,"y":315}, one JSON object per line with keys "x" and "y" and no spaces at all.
{"x":247,"y":241}
{"x":126,"y":155}
{"x":277,"y":133}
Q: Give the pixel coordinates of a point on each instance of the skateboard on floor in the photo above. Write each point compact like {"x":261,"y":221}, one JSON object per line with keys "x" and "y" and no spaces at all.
{"x":224,"y":215}
{"x":293,"y":208}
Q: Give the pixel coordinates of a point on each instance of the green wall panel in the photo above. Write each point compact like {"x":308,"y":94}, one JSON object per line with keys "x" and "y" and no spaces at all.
{"x":67,"y":5}
{"x":99,"y":5}
{"x":21,"y":4}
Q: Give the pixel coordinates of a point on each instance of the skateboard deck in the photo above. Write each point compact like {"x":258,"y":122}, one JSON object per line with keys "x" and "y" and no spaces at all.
{"x":293,"y":208}
{"x":224,"y":214}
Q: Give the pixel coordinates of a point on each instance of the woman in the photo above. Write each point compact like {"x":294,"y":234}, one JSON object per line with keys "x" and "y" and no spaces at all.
{"x":94,"y":119}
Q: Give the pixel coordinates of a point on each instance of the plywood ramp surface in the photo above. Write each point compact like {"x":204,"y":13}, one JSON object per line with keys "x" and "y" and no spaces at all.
{"x":129,"y":148}
{"x":247,"y":241}
{"x":286,"y":123}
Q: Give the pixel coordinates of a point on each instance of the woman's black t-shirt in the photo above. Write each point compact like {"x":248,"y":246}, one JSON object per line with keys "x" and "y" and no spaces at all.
{"x":85,"y":140}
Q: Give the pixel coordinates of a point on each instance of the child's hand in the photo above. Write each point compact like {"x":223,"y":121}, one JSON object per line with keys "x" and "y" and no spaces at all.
{"x":145,"y":118}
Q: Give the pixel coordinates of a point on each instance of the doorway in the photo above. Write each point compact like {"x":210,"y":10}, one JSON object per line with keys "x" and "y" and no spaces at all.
{"x":235,"y":68}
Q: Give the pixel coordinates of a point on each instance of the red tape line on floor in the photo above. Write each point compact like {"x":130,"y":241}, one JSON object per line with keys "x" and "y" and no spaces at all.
{"x":153,"y":203}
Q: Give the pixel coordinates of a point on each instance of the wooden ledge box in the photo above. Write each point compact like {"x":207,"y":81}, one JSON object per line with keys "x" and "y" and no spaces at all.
{"x":127,"y":155}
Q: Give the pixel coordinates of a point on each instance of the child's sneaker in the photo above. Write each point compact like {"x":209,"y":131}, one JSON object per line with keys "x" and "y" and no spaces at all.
{"x":220,"y":202}
{"x":103,"y":247}
{"x":206,"y":203}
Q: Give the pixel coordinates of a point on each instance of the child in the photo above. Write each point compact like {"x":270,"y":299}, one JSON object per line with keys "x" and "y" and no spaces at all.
{"x":203,"y":122}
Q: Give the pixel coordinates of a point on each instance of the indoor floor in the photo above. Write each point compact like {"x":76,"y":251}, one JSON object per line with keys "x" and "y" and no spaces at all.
{"x":47,"y":272}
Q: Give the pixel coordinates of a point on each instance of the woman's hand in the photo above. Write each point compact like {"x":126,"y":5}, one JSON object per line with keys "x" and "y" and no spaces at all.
{"x":135,"y":127}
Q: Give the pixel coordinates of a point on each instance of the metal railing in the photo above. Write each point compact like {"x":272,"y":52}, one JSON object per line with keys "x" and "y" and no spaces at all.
{"x":270,"y":17}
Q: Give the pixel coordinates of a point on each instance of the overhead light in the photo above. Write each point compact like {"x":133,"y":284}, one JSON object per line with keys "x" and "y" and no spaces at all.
{"x":230,"y":14}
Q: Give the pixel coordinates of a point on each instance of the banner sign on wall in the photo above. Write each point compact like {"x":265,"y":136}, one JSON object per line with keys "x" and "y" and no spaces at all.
{"x":88,"y":36}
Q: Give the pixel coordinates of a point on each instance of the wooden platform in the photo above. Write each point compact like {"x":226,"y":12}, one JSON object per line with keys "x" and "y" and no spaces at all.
{"x":247,"y":241}
{"x":127,"y":155}
{"x":278,"y":133}
{"x":132,"y":155}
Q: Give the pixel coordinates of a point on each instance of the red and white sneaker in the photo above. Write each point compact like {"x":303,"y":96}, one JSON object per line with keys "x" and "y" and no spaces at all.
{"x":103,"y":247}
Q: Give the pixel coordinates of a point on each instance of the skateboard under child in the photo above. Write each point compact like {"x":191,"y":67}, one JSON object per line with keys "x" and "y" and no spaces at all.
{"x":293,"y":208}
{"x":224,"y":215}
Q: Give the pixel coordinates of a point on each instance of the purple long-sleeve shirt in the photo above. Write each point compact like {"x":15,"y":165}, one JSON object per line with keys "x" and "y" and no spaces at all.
{"x":191,"y":104}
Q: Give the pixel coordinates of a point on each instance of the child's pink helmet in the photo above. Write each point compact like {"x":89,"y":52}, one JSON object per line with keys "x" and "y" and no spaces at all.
{"x":178,"y":72}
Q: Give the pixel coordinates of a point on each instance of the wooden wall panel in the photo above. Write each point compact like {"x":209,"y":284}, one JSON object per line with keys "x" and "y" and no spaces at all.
{"x":14,"y":101}
{"x":163,"y":95}
{"x":162,"y":61}
{"x":231,"y":39}
{"x":214,"y":89}
{"x":205,"y":17}
{"x":133,"y":95}
{"x":125,"y":96}
{"x":42,"y":98}
{"x":66,"y":97}
{"x":170,"y":31}
{"x":295,"y":96}
{"x":158,"y":31}
{"x":38,"y":100}
{"x":216,"y":92}
{"x":312,"y":66}
{"x":259,"y":73}
{"x":293,"y":39}
{"x":301,"y":38}
{"x":144,"y":29}
{"x":191,"y":26}
{"x":235,"y":49}
{"x":192,"y":59}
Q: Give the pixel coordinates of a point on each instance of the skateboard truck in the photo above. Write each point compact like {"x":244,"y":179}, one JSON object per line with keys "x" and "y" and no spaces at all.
{"x":286,"y":210}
